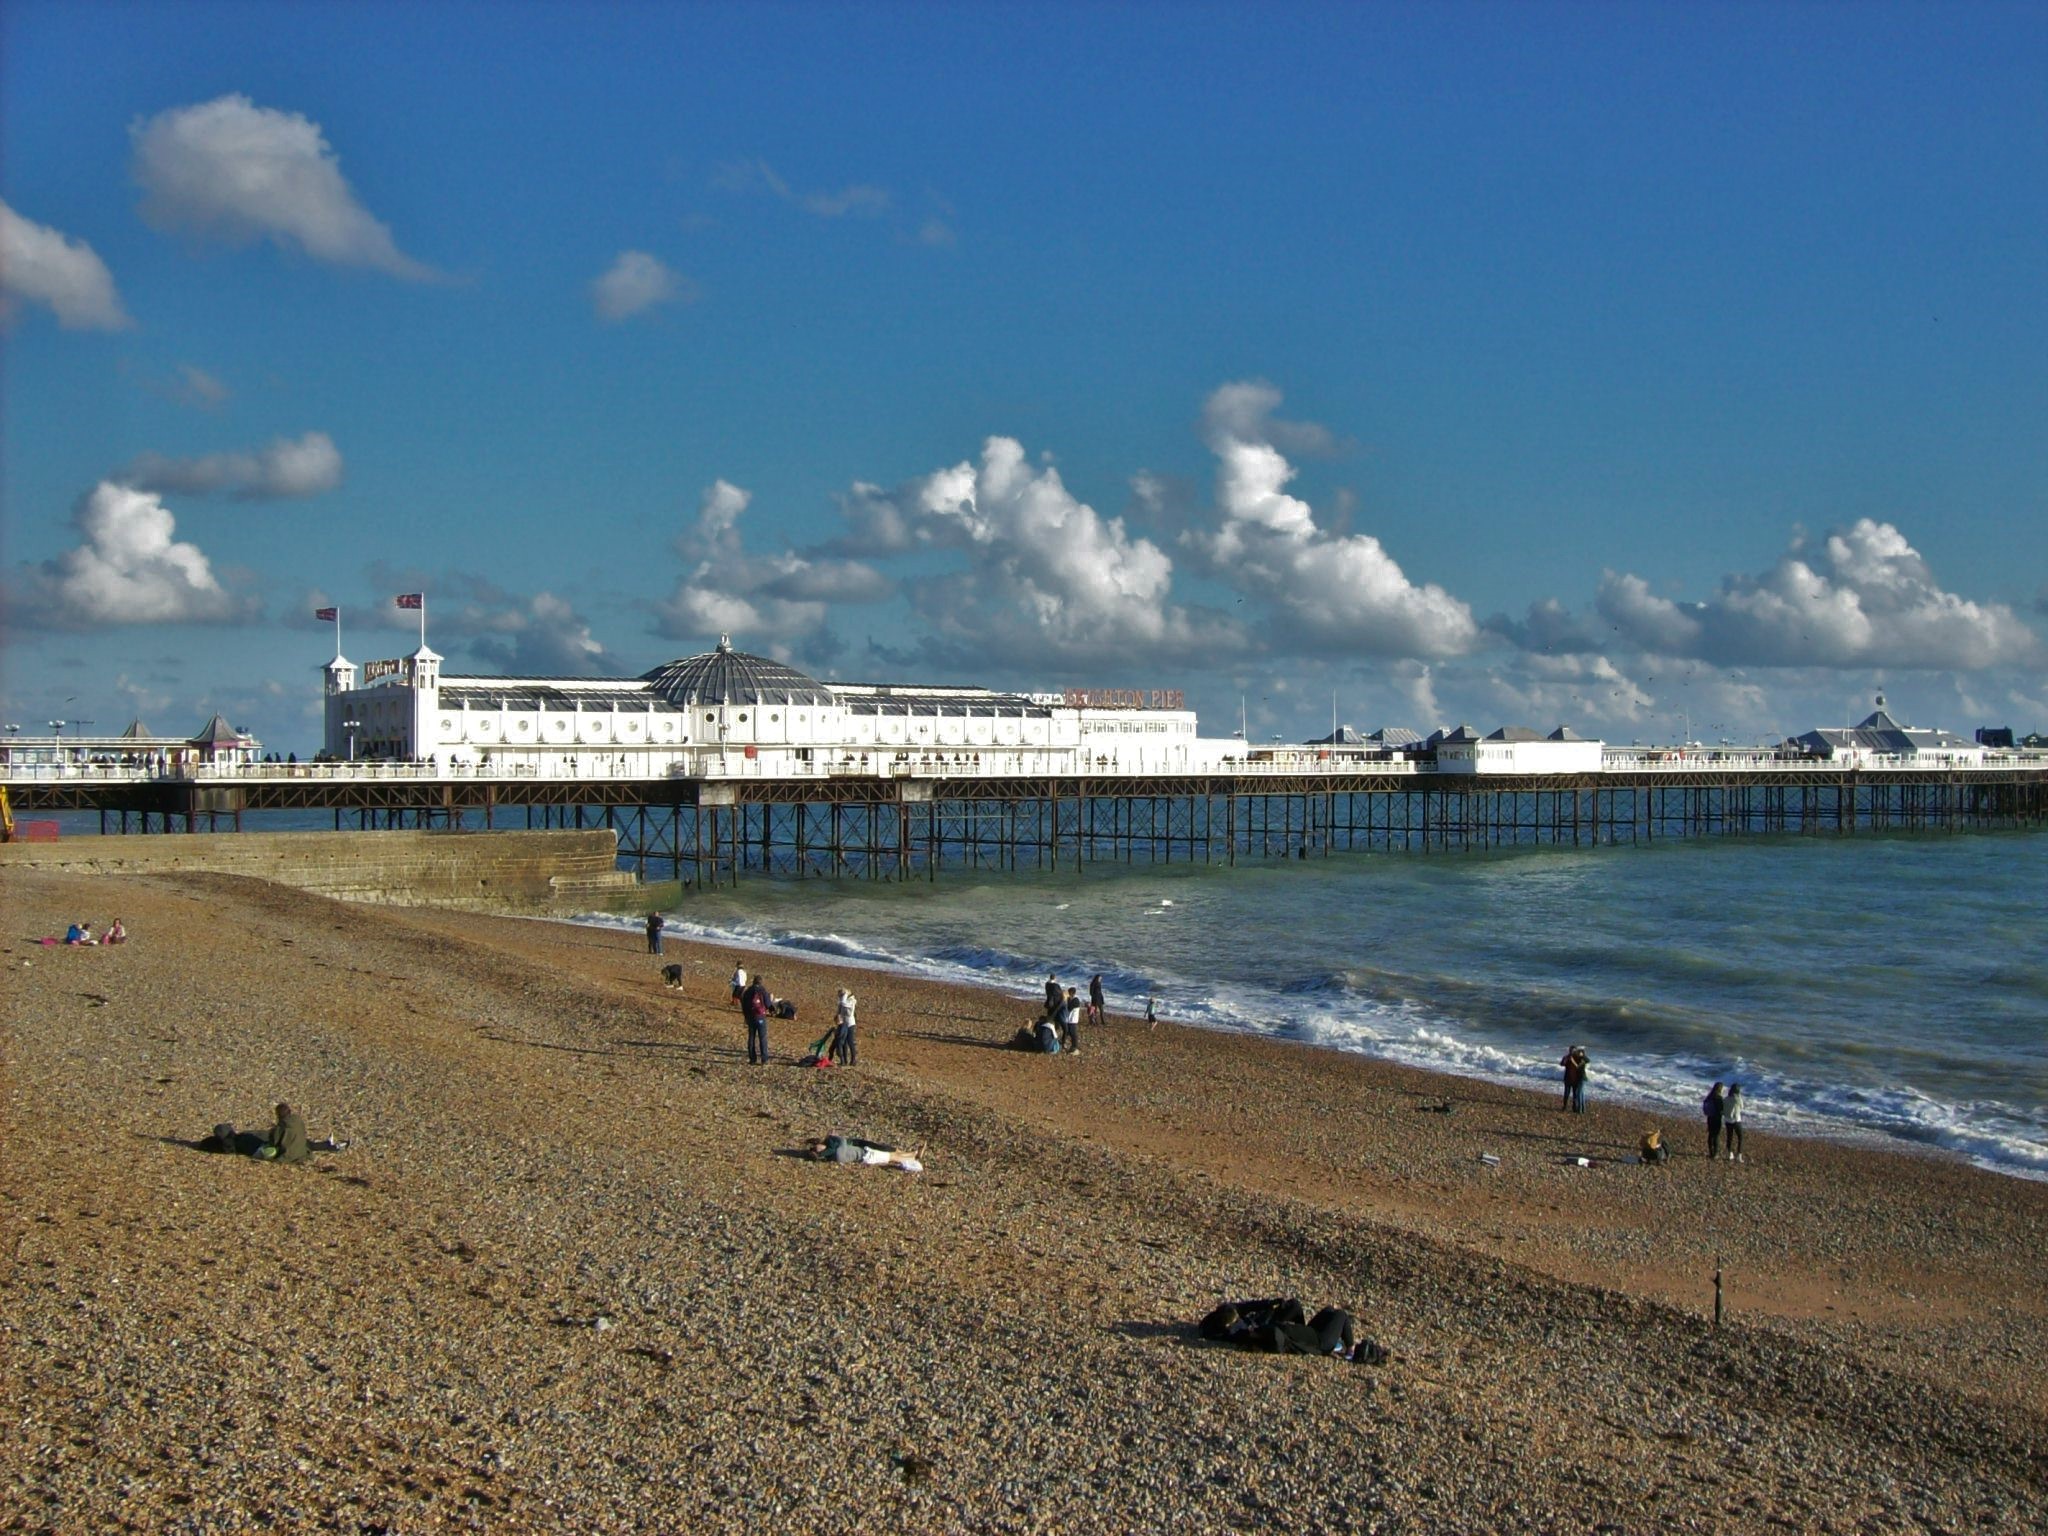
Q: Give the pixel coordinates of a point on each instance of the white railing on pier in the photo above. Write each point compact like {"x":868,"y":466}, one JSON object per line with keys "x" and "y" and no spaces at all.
{"x":715,"y":766}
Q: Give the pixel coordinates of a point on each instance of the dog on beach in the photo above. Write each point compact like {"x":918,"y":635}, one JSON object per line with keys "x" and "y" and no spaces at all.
{"x":672,"y":975}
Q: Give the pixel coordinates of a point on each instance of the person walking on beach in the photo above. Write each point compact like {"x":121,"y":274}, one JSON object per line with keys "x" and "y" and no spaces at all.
{"x":1070,"y":1020}
{"x":739,"y":982}
{"x":1055,"y":998}
{"x":755,"y":1005}
{"x":655,"y":923}
{"x":1574,"y":1064}
{"x":844,"y":1050}
{"x":1095,"y":1001}
{"x":1731,"y":1121}
{"x":1714,"y":1106}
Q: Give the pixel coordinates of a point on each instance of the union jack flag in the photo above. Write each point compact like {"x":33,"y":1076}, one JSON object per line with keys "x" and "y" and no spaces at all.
{"x":411,"y":599}
{"x":326,"y":614}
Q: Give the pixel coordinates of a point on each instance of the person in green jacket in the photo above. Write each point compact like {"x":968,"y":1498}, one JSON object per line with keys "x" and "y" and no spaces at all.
{"x":287,"y":1140}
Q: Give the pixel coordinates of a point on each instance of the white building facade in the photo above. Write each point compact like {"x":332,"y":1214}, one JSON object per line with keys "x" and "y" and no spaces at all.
{"x":727,"y":711}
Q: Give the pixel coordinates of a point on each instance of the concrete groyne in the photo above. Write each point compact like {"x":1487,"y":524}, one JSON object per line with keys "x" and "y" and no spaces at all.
{"x":495,"y":871}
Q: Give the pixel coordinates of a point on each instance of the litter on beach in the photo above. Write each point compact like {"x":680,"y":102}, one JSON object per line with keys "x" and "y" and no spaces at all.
{"x":1492,"y":1160}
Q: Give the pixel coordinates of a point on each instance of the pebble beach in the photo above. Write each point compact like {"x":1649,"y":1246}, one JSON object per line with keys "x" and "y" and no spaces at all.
{"x":573,"y":1272}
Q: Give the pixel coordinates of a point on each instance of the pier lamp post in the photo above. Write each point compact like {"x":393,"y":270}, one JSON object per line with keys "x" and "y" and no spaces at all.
{"x":351,"y":726}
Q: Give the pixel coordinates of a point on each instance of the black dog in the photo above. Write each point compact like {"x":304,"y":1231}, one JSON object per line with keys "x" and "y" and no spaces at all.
{"x":672,"y":975}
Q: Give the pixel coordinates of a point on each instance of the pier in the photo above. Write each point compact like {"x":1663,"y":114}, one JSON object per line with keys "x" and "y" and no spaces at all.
{"x":910,"y":816}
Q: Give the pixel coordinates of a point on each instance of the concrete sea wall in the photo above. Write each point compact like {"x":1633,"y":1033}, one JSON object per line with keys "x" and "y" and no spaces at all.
{"x":483,"y":870}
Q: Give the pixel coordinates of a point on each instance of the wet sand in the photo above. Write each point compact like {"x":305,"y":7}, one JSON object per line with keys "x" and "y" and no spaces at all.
{"x":571,"y":1273}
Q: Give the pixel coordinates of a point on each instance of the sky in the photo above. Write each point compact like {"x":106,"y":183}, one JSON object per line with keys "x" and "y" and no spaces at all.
{"x":1665,"y":371}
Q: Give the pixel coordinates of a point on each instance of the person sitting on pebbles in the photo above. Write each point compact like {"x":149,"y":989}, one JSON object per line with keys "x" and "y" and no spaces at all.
{"x":1651,"y":1148}
{"x":854,"y":1149}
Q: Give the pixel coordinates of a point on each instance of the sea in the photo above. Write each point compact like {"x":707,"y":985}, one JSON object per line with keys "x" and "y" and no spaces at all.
{"x":1874,"y":986}
{"x":1891,"y":987}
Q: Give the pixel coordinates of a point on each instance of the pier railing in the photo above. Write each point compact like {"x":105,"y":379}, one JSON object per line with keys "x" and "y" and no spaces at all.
{"x":716,"y":766}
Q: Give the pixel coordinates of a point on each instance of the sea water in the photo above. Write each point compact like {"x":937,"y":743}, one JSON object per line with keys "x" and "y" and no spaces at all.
{"x":1888,"y":985}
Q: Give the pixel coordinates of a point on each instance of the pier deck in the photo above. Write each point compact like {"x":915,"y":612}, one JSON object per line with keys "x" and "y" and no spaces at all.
{"x":909,"y":819}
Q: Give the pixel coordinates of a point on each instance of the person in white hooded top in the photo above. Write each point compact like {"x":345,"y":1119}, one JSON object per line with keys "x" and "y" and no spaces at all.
{"x":845,"y":1049}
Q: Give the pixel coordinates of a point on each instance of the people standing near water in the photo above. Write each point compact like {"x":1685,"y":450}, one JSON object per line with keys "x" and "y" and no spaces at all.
{"x":756,"y":1003}
{"x":1055,"y":998}
{"x":1574,"y":1064}
{"x":1714,"y":1106}
{"x":844,"y":1051}
{"x":1070,"y":1020}
{"x":1095,"y":1001}
{"x":655,"y":923}
{"x":1731,"y":1121}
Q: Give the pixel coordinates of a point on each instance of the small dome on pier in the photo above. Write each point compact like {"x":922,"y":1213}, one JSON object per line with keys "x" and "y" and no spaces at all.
{"x":727,"y":676}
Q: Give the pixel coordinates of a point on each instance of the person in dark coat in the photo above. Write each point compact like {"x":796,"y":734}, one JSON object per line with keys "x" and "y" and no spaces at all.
{"x":756,"y":1003}
{"x":655,"y":923}
{"x":1055,"y":998}
{"x":1096,"y":1002}
{"x":1279,"y":1327}
{"x":1713,"y":1106}
{"x":1574,"y":1064}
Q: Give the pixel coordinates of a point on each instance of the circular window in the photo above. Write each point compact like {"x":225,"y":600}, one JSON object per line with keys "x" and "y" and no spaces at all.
{"x":743,"y":719}
{"x":708,"y":715}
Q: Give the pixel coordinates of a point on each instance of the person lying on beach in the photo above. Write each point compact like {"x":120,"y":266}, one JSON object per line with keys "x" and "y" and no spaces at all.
{"x":853,"y":1149}
{"x":1278,"y":1327}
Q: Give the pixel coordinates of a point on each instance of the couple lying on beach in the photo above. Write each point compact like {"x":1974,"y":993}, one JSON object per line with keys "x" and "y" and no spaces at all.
{"x":286,"y":1142}
{"x":1281,"y":1327}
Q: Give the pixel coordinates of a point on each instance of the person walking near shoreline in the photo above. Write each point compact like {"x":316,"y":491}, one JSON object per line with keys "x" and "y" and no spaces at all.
{"x":755,"y":1006}
{"x":1095,"y":1001}
{"x":1731,"y":1121}
{"x":655,"y":923}
{"x":1574,"y":1064}
{"x":1714,"y":1106}
{"x":1055,"y":998}
{"x":844,"y":1050}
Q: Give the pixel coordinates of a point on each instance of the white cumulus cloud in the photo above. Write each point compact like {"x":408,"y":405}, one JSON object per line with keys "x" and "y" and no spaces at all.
{"x":129,"y":568}
{"x":44,"y":266}
{"x":763,"y":600}
{"x":1861,"y":597}
{"x":1328,"y":591}
{"x":285,"y":468}
{"x":1042,"y":572}
{"x":636,"y":282}
{"x":232,"y":171}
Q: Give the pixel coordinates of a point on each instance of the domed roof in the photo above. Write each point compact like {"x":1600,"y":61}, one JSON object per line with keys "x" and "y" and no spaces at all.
{"x":727,"y":676}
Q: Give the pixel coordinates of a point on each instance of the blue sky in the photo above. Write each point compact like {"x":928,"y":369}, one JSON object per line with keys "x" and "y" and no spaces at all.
{"x":1642,"y":368}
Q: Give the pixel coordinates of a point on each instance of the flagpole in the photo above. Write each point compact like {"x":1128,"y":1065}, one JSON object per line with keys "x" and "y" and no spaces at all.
{"x":423,"y":621}
{"x":337,"y":629}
